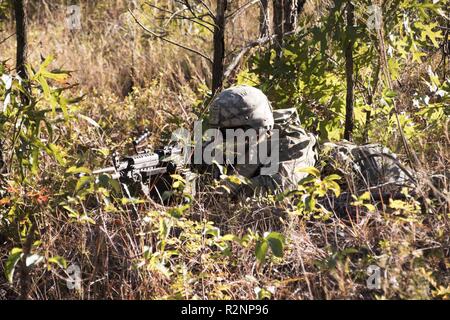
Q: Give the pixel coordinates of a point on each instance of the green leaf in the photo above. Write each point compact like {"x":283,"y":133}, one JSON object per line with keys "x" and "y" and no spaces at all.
{"x":390,"y":94}
{"x":177,"y":212}
{"x":104,"y":152}
{"x":394,"y":68}
{"x":165,"y":225}
{"x":71,"y":210}
{"x":231,"y":237}
{"x":334,"y":187}
{"x":213,"y":231}
{"x":397,"y":204}
{"x":35,"y":160}
{"x":370,"y":207}
{"x":332,"y":177}
{"x":86,"y":219}
{"x":261,"y":250}
{"x":177,"y":185}
{"x":276,"y":242}
{"x":365,"y":196}
{"x":60,"y":76}
{"x":115,"y":185}
{"x":63,"y":104}
{"x":45,"y":86}
{"x":417,"y":55}
{"x":236,"y":179}
{"x":89,"y":120}
{"x":82,"y":182}
{"x":427,"y":31}
{"x":262,"y":293}
{"x":126,"y":201}
{"x":11,"y":263}
{"x":311,"y":170}
{"x":56,"y":151}
{"x":177,"y":177}
{"x":76,"y":170}
{"x":311,"y":203}
{"x":45,"y":64}
{"x":60,"y":261}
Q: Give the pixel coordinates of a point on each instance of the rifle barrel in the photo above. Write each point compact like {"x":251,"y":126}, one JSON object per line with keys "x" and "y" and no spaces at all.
{"x":104,"y":170}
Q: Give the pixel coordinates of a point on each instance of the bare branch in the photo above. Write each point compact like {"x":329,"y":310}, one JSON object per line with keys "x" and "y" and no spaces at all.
{"x":170,"y":41}
{"x":195,"y":19}
{"x":191,"y":10}
{"x":261,"y":41}
{"x":242,"y":8}
{"x":7,"y":38}
{"x":208,"y":8}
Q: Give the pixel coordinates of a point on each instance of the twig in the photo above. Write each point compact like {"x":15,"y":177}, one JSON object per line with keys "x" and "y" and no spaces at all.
{"x":242,"y":8}
{"x":170,"y":41}
{"x":6,"y":39}
{"x":25,"y":270}
{"x":199,"y":21}
{"x":208,"y":8}
{"x":247,"y":47}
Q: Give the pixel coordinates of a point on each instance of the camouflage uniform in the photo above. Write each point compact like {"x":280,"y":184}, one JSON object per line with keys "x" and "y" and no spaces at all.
{"x":298,"y":149}
{"x":372,"y":167}
{"x":247,"y":107}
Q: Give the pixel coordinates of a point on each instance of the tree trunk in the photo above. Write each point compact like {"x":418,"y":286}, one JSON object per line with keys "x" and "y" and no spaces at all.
{"x":290,"y":15}
{"x":21,"y":36}
{"x":219,"y":46}
{"x":21,"y":57}
{"x":349,"y":72}
{"x":264,"y":19}
{"x":21,"y":60}
{"x":300,"y":6}
{"x":278,"y":26}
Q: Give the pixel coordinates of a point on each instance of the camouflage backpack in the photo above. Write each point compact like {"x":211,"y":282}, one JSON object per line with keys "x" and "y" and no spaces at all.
{"x":370,"y":167}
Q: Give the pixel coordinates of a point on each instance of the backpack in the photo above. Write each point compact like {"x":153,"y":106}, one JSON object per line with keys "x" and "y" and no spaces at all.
{"x":371,"y":167}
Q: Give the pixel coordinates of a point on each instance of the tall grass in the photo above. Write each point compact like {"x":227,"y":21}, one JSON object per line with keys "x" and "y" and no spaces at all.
{"x":133,"y":81}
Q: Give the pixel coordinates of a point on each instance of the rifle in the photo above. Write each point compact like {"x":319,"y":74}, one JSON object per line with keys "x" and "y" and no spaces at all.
{"x":141,"y":167}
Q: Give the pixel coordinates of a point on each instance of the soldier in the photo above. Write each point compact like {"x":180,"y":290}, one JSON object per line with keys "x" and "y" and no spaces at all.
{"x":374,"y":167}
{"x":288,"y":149}
{"x":246,"y":107}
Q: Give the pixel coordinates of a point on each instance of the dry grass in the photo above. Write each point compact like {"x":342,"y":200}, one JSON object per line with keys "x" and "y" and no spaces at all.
{"x":121,"y":255}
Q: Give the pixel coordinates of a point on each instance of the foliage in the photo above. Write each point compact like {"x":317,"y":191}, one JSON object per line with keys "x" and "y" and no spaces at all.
{"x":314,"y":59}
{"x":54,"y":214}
{"x":29,"y":117}
{"x":311,"y":190}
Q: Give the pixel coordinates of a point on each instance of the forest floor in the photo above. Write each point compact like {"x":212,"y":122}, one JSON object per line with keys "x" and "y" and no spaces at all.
{"x":209,"y":248}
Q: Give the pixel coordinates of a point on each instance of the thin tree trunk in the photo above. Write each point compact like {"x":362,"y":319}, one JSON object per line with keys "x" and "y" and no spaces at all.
{"x":264,"y":19}
{"x":290,"y":15}
{"x":349,"y":72}
{"x":21,"y":56}
{"x":25,"y":281}
{"x":21,"y":60}
{"x":300,"y":6}
{"x":21,"y":36}
{"x":278,"y":25}
{"x":219,"y":46}
{"x":372,"y":92}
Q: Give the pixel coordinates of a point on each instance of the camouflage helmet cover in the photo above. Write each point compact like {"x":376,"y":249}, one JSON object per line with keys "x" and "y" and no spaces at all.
{"x":241,"y":106}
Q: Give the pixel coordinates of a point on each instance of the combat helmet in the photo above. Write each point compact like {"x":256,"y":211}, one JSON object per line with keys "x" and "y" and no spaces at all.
{"x":241,"y":107}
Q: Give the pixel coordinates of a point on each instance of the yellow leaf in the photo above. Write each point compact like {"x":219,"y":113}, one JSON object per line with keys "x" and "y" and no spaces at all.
{"x":311,"y":170}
